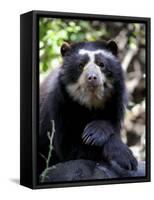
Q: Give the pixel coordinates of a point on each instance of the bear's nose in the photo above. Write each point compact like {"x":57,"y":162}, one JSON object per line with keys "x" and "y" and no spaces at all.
{"x":92,"y":78}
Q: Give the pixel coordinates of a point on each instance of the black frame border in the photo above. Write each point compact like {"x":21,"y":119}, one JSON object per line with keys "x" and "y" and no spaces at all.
{"x":29,"y":100}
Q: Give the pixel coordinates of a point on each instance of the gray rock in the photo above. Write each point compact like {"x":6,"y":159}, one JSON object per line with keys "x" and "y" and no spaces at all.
{"x":76,"y":170}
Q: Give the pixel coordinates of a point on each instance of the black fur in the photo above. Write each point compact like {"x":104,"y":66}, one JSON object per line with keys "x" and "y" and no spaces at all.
{"x":82,"y":133}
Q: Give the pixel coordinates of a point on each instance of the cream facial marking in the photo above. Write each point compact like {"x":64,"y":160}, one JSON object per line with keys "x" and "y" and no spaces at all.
{"x":80,"y":91}
{"x":92,"y":54}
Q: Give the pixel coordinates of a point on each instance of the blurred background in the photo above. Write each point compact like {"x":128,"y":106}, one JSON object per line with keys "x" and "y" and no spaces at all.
{"x":130,"y":38}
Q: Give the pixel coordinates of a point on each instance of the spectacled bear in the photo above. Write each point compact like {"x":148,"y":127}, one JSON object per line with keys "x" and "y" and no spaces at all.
{"x":86,"y":98}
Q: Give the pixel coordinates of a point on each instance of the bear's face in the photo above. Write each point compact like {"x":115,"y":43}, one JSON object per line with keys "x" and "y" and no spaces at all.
{"x":90,"y":71}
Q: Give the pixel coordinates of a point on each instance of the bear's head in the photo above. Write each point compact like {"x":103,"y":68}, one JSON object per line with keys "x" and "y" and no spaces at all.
{"x":91,"y":72}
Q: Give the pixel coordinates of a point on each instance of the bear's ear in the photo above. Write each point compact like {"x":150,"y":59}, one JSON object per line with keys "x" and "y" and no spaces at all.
{"x":65,"y":48}
{"x":112,"y":46}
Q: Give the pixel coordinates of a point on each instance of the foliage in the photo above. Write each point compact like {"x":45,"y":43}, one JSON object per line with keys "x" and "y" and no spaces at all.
{"x":54,"y":31}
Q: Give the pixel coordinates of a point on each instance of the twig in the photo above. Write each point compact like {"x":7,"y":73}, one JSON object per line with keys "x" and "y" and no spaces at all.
{"x":43,"y":156}
{"x":50,"y":136}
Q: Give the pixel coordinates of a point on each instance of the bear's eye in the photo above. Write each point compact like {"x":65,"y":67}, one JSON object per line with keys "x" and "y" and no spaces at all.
{"x":81,"y":65}
{"x":101,"y":64}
